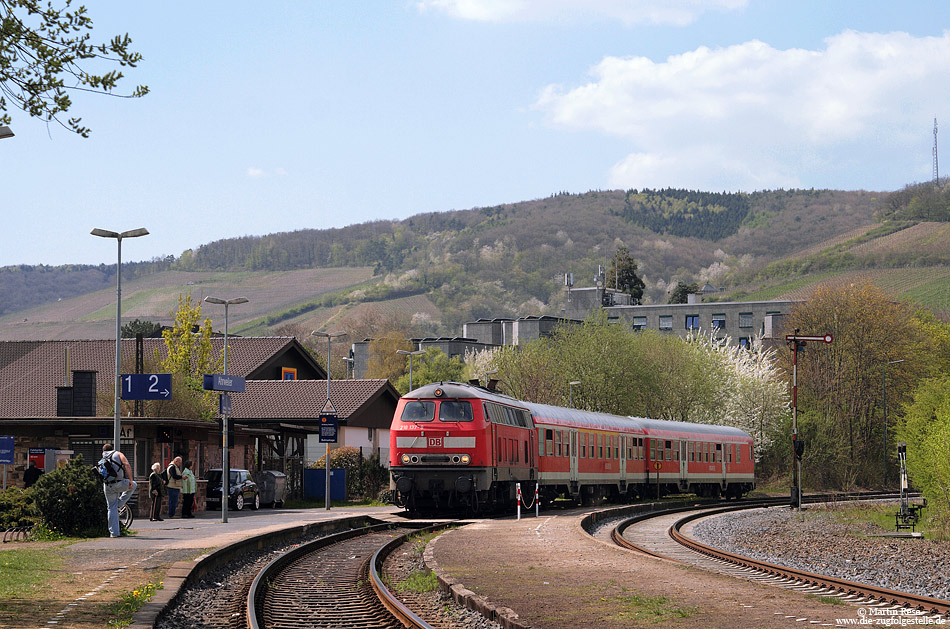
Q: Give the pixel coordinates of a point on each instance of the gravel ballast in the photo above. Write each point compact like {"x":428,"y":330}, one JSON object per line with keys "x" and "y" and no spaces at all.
{"x":819,"y":540}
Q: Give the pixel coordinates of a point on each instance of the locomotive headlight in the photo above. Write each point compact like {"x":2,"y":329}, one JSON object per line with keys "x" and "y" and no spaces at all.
{"x":405,"y":459}
{"x":466,"y":459}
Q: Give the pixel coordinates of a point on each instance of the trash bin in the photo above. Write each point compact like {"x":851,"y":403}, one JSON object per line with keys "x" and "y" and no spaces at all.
{"x":271,"y":485}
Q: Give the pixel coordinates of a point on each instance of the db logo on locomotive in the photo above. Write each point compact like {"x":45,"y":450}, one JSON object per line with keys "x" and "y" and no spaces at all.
{"x":435,"y":442}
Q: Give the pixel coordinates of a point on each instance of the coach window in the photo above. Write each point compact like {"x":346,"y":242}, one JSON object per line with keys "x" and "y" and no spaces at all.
{"x":729,"y":453}
{"x":549,"y":441}
{"x":417,"y":411}
{"x":689,"y":450}
{"x":738,"y":453}
{"x":557,"y":443}
{"x":628,"y":441}
{"x":653,"y":449}
{"x":667,"y":447}
{"x":591,"y":442}
{"x":718,"y":453}
{"x":676,"y":450}
{"x":641,"y":449}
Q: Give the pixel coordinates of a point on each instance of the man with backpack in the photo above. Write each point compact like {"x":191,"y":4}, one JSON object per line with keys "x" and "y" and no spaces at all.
{"x":117,"y":484}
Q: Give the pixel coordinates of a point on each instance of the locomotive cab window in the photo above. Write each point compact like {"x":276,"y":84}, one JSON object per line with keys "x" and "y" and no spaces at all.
{"x":455,"y":411}
{"x":416,"y":411}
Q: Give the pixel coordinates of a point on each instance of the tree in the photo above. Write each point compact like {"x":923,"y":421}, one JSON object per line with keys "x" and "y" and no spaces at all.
{"x":622,"y":274}
{"x":433,"y":366}
{"x":925,"y":428}
{"x":41,"y":46}
{"x":145,"y":328}
{"x":383,"y":361}
{"x":189,"y":356}
{"x":840,"y":385}
{"x":682,"y":291}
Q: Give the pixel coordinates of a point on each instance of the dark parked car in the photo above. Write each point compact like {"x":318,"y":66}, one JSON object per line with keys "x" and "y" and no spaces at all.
{"x":243,"y":490}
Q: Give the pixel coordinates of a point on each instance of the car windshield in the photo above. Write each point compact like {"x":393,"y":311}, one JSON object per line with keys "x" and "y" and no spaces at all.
{"x":455,"y":411}
{"x":416,"y":411}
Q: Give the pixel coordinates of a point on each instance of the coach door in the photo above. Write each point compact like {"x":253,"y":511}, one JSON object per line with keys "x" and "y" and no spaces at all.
{"x":573,"y":455}
{"x":684,"y":470}
{"x":623,"y":461}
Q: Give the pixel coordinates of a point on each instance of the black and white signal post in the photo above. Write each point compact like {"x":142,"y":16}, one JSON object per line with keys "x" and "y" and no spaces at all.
{"x":797,"y":342}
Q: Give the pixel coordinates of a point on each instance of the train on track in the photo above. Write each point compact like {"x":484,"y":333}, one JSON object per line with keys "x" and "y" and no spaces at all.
{"x":464,"y":448}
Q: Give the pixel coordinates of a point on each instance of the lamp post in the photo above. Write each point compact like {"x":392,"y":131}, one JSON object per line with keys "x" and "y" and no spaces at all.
{"x":349,"y":366}
{"x":329,"y":336}
{"x":884,"y":404}
{"x":418,"y":352}
{"x":225,"y":459}
{"x":570,"y":389}
{"x":104,"y":233}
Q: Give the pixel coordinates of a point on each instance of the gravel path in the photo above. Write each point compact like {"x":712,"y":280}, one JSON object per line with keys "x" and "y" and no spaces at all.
{"x":827,"y":541}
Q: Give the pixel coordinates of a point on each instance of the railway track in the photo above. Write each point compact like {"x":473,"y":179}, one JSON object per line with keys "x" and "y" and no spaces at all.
{"x":333,"y":582}
{"x":660,"y":535}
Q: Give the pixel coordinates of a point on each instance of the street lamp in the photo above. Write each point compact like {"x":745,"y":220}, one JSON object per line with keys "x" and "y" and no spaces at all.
{"x":884,"y":403}
{"x":5,"y":132}
{"x":418,"y":352}
{"x":104,"y":233}
{"x":570,"y":389}
{"x":329,"y":336}
{"x":349,"y":366}
{"x":225,"y":460}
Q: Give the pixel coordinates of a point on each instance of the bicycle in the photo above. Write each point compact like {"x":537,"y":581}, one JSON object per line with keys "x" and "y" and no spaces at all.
{"x":126,"y":516}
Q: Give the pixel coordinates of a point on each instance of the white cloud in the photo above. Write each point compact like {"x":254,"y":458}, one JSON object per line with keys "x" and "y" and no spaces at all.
{"x":676,"y":12}
{"x":255,"y":173}
{"x":752,"y":115}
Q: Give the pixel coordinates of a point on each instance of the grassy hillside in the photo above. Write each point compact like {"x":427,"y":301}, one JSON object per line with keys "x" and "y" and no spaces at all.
{"x":432,"y":272}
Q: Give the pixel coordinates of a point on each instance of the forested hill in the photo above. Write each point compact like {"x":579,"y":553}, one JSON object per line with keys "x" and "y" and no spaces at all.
{"x":500,"y":257}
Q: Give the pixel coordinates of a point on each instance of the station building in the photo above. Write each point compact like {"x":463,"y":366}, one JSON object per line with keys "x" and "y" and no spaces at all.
{"x":56,"y":401}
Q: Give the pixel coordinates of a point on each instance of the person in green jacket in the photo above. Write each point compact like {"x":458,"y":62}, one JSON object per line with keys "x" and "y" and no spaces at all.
{"x":189,"y":486}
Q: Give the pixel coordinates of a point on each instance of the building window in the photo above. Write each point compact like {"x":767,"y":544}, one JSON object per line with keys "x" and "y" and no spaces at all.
{"x":745,"y":319}
{"x":744,"y":342}
{"x":692,"y":322}
{"x":719,"y":321}
{"x":639,"y":323}
{"x":666,"y":322}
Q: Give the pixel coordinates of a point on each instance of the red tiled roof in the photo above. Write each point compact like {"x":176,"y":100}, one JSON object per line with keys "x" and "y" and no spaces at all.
{"x":30,"y":371}
{"x":304,"y":399}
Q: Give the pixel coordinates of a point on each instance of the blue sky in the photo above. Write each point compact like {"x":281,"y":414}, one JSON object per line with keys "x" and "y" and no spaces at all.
{"x":271,"y":117}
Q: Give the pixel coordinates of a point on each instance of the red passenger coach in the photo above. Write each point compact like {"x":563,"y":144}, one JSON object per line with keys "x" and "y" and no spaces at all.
{"x":463,"y":447}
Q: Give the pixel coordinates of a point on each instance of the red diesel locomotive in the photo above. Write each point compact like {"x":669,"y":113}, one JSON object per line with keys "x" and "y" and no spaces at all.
{"x":464,"y":447}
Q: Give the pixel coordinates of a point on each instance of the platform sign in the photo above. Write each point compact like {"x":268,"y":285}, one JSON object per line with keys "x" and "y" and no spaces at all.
{"x":328,"y":428}
{"x":146,"y":386}
{"x":6,"y":449}
{"x":220,"y":382}
{"x":224,"y":404}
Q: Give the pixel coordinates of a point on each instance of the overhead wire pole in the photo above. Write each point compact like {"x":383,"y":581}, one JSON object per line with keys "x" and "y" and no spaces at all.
{"x":884,"y":404}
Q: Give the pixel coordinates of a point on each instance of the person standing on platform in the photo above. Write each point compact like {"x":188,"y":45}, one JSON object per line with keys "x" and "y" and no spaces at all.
{"x":31,"y":475}
{"x":156,"y":490}
{"x":174,"y":485}
{"x":118,"y":488}
{"x":189,"y":485}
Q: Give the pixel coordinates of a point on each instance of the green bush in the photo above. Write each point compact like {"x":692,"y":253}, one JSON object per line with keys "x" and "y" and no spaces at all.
{"x":16,"y":508}
{"x":374,"y":478}
{"x":346,"y":458}
{"x":71,"y":501}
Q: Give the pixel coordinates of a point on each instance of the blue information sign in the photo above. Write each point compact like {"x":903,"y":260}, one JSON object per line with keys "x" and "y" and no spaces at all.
{"x":220,"y":382}
{"x":224,"y":404}
{"x":146,"y":386}
{"x":6,"y":449}
{"x":328,"y":428}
